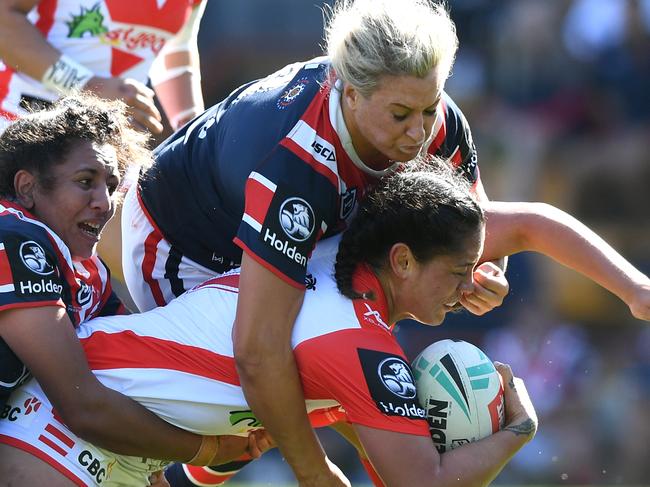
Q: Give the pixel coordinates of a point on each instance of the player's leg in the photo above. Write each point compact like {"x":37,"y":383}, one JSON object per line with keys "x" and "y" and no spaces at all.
{"x":21,"y":468}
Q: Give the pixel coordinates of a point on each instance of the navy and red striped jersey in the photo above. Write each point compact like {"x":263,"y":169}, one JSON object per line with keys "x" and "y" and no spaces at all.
{"x":36,"y":270}
{"x":271,"y":170}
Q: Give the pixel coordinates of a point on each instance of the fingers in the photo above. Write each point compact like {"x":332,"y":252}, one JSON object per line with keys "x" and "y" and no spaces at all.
{"x":136,"y":95}
{"x":259,"y":441}
{"x":521,"y":418}
{"x":490,"y":287}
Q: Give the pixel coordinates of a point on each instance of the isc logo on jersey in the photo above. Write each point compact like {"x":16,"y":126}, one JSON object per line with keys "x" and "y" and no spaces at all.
{"x":461,"y":391}
{"x":390,"y":383}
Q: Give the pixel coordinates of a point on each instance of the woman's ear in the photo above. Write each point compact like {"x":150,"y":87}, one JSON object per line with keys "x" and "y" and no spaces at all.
{"x":401,"y":260}
{"x":24,"y":185}
{"x":350,"y":96}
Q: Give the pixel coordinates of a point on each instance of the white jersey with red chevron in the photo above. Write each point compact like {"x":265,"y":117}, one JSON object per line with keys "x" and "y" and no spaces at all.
{"x":177,"y":360}
{"x":110,"y":37}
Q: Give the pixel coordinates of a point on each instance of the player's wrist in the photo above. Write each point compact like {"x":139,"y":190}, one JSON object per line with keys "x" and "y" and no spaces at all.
{"x":66,"y":76}
{"x":207,"y":452}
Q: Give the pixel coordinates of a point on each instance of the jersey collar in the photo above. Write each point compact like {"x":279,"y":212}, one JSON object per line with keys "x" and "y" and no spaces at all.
{"x":364,"y":280}
{"x":336,"y":116}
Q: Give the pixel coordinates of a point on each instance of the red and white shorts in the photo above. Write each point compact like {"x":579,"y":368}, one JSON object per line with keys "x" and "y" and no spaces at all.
{"x":29,"y":424}
{"x":153,"y":272}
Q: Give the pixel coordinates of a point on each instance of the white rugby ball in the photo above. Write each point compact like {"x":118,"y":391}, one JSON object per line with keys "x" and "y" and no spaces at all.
{"x":461,"y":392}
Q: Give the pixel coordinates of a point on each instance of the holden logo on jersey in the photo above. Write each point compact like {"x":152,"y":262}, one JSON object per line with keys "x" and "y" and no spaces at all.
{"x":84,"y":294}
{"x":33,"y":256}
{"x":390,"y":383}
{"x":297,"y":219}
{"x":291,"y":93}
{"x":397,"y":377}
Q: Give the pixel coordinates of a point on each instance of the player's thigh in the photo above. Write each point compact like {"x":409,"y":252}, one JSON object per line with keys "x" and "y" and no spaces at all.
{"x":19,"y":468}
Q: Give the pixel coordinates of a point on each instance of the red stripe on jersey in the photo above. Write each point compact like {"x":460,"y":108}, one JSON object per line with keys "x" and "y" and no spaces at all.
{"x":33,"y":304}
{"x":148,"y":264}
{"x":21,"y":445}
{"x":205,"y":476}
{"x":128,"y":350}
{"x":52,"y":445}
{"x":258,"y":199}
{"x":6,"y":276}
{"x":325,"y":417}
{"x":46,"y":10}
{"x":264,"y":263}
{"x":150,"y":254}
{"x":442,"y":131}
{"x":309,"y":159}
{"x":62,"y":437}
{"x":230,"y":281}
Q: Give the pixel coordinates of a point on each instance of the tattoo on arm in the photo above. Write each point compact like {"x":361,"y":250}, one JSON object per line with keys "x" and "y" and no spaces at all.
{"x":526,"y":428}
{"x":511,"y":383}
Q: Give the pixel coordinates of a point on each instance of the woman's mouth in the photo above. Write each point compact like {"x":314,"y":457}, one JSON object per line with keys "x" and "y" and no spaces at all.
{"x":91,"y":229}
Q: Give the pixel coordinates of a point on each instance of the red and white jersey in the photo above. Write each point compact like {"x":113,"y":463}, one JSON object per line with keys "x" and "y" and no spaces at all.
{"x":177,"y":360}
{"x":110,"y":37}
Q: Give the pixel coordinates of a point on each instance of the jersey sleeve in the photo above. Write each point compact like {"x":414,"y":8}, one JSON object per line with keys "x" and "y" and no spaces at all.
{"x":288,"y":207}
{"x":368,"y":374}
{"x":29,"y":273}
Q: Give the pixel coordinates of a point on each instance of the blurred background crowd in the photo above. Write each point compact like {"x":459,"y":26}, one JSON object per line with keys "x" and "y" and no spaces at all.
{"x":558,"y":97}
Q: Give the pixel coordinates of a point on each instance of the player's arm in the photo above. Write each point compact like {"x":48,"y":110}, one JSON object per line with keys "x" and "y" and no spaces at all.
{"x":44,"y":339}
{"x":176,"y":73}
{"x":410,"y":461}
{"x":539,"y":227}
{"x":23,"y":48}
{"x":490,"y":285}
{"x":266,"y":311}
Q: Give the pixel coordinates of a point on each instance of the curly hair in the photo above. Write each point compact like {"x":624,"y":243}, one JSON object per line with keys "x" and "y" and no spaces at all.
{"x":42,"y":139}
{"x":427,"y":206}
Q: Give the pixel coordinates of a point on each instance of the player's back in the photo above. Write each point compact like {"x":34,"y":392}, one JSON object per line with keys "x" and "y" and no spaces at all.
{"x":195,"y":189}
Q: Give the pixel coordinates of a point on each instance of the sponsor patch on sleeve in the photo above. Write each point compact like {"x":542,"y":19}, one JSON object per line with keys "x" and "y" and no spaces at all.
{"x":28,"y":269}
{"x":290,"y":226}
{"x":391,"y":384}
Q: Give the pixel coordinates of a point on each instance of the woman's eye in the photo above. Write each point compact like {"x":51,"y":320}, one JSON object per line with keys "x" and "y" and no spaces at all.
{"x":430,"y":113}
{"x":399,"y":118}
{"x":85,"y":182}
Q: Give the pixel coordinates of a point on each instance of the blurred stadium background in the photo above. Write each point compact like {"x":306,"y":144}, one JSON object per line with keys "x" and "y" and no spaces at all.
{"x":558,"y":97}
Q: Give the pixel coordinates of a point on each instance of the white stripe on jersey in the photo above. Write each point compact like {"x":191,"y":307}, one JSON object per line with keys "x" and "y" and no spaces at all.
{"x":320,"y":149}
{"x":263,"y":181}
{"x":257,"y":226}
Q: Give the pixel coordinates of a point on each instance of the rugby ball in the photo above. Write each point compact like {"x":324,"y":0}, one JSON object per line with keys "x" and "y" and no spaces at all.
{"x":461,"y":392}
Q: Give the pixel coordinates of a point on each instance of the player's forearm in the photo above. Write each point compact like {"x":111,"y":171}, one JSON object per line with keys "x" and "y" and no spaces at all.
{"x":115,"y":422}
{"x":545,"y":229}
{"x":273,"y":391}
{"x":34,"y":54}
{"x":479,"y":463}
{"x":178,"y":87}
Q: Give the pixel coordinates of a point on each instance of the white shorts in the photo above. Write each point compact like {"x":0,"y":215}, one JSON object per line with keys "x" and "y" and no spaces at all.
{"x":29,"y":424}
{"x":153,"y":279}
